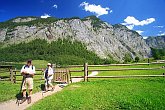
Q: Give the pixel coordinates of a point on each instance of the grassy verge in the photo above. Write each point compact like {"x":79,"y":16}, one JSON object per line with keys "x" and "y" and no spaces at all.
{"x":111,"y":94}
{"x":9,"y":90}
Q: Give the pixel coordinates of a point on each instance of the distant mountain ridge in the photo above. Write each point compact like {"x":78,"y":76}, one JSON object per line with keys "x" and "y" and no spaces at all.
{"x":104,"y":39}
{"x":156,"y":42}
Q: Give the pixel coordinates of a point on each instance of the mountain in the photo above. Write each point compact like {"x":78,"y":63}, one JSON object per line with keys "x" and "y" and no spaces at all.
{"x":156,"y":42}
{"x":104,"y":39}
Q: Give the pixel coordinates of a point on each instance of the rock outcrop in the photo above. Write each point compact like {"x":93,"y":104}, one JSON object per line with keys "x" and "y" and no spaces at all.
{"x":156,"y":42}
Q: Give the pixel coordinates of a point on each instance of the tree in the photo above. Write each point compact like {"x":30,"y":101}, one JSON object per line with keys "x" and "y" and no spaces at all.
{"x":127,"y":58}
{"x":137,"y":59}
{"x":61,"y":51}
{"x":158,"y":53}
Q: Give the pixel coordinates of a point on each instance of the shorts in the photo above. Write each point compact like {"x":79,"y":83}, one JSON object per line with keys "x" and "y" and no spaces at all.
{"x":28,"y":83}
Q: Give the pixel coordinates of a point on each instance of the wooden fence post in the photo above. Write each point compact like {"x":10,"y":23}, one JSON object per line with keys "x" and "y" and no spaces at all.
{"x":67,"y":72}
{"x":11,"y":74}
{"x":70,"y":75}
{"x":86,"y":72}
{"x":15,"y":76}
{"x":148,"y":61}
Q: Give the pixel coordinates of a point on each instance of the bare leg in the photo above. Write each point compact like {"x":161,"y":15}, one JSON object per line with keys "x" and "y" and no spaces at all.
{"x":30,"y":92}
{"x":24,"y":92}
{"x":51,"y":85}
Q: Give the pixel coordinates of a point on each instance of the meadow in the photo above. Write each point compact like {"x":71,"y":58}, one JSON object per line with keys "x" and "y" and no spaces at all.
{"x":109,"y":94}
{"x":129,"y":93}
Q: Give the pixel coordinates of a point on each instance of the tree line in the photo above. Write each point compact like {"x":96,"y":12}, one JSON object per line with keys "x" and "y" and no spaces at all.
{"x":158,"y":54}
{"x":62,"y":51}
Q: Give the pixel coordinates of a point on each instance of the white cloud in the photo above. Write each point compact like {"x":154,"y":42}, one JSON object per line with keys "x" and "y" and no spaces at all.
{"x":139,"y":31}
{"x":161,"y":34}
{"x":111,"y":11}
{"x":131,"y":21}
{"x":97,"y":9}
{"x":130,"y":26}
{"x":54,"y":6}
{"x":145,"y":37}
{"x":45,"y":16}
{"x":158,"y":26}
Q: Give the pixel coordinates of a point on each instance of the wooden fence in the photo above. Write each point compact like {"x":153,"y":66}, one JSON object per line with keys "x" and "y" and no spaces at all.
{"x":65,"y":74}
{"x":61,"y":75}
{"x":86,"y":70}
{"x":10,"y":70}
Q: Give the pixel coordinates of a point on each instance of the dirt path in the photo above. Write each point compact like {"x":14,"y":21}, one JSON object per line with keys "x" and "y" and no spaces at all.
{"x":11,"y":105}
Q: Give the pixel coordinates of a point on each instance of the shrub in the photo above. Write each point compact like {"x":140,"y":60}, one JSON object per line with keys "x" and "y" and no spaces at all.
{"x":137,"y":59}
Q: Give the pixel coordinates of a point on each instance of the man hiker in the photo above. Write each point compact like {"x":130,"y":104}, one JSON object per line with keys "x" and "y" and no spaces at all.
{"x":48,"y":75}
{"x":27,"y":72}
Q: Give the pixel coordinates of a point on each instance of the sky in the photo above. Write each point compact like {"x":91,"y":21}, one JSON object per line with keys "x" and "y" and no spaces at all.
{"x":144,"y":16}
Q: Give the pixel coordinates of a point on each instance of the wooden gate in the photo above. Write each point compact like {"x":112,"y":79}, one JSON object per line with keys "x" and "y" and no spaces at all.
{"x":61,"y":75}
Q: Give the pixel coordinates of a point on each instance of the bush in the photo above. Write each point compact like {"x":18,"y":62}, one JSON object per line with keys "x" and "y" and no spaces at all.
{"x":127,"y":58}
{"x":137,"y":59}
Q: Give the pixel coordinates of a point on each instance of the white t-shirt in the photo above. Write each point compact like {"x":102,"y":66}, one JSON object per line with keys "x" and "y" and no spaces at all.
{"x":28,"y":69}
{"x":50,"y":73}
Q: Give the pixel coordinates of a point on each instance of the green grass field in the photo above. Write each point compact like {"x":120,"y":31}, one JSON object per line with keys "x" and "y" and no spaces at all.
{"x":112,"y":94}
{"x":130,"y":93}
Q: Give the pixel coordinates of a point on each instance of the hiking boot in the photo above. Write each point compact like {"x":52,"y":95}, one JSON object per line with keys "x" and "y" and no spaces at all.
{"x":29,"y":100}
{"x":52,"y":88}
{"x":23,"y":100}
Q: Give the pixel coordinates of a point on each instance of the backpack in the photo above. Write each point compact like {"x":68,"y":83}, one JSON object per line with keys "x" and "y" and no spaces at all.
{"x":46,"y":74}
{"x":27,"y":66}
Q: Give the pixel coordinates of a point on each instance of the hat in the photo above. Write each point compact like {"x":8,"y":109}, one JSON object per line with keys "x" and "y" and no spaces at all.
{"x":49,"y":64}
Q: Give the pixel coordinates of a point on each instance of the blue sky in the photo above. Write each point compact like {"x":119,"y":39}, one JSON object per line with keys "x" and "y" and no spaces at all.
{"x":144,"y":16}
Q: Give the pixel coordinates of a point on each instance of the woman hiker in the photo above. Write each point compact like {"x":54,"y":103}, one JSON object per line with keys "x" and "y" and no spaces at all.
{"x":48,"y":75}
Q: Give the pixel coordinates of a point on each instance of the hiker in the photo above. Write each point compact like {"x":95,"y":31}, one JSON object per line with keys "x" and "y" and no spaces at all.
{"x":48,"y":75}
{"x":27,"y":72}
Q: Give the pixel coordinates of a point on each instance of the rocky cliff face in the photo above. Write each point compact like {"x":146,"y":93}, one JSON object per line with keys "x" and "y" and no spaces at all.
{"x":26,"y":19}
{"x":156,"y":42}
{"x":102,"y":38}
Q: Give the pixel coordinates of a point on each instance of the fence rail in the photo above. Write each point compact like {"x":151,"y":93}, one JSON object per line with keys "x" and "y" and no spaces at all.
{"x":126,"y":76}
{"x":86,"y":70}
{"x":132,"y":64}
{"x":66,"y":73}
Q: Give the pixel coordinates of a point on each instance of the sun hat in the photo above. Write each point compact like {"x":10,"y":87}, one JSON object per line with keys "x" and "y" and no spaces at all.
{"x":49,"y":64}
